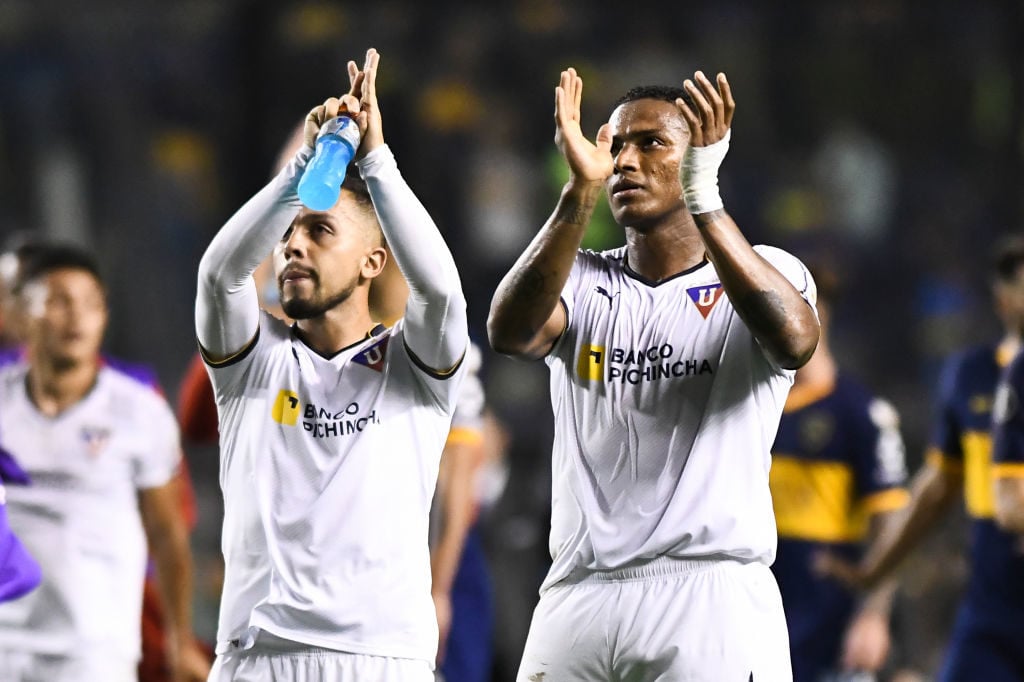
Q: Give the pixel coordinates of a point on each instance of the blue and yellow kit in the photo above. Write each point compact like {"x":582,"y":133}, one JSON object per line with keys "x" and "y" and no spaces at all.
{"x":838,"y":459}
{"x":988,"y":638}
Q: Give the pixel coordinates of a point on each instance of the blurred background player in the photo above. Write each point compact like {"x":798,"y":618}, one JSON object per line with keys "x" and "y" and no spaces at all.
{"x":837,"y":477}
{"x":154,"y":666}
{"x":1008,"y":474}
{"x":102,"y":451}
{"x":985,"y":643}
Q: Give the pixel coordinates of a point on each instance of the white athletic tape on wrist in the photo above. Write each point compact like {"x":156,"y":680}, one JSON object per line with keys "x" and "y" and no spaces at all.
{"x":699,"y":174}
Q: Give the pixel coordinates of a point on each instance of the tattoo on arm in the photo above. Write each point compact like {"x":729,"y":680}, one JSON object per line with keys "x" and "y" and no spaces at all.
{"x":763,"y":310}
{"x":572,"y":213}
{"x":530,"y":283}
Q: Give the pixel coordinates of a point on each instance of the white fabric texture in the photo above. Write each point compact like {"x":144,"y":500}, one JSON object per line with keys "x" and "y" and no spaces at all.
{"x":435,"y":314}
{"x":227,"y":307}
{"x":706,"y":621}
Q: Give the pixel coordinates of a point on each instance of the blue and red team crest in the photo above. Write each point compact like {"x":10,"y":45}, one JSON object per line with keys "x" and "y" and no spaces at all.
{"x":373,"y":357}
{"x":96,"y":439}
{"x":705,"y":297}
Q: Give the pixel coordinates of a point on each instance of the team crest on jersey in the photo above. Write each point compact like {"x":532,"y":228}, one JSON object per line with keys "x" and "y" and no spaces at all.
{"x":705,"y":297}
{"x":96,"y":439}
{"x":373,"y":357}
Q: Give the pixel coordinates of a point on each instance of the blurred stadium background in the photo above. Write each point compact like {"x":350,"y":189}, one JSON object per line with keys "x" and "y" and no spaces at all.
{"x":882,"y":138}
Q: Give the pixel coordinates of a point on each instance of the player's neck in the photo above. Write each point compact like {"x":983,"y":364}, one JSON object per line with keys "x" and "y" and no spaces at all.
{"x":336,"y":329}
{"x":55,"y":386}
{"x":660,"y":252}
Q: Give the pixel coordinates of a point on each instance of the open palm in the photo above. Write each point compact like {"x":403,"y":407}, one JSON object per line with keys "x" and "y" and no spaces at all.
{"x":588,"y":161}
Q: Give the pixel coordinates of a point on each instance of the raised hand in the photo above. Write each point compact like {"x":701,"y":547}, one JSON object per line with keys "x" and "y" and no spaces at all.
{"x":346,"y":104}
{"x":588,"y":161}
{"x":364,"y":86}
{"x":711,"y":116}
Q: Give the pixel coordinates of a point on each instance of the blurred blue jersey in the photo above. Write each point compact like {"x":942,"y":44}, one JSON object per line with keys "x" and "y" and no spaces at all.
{"x":838,"y":458}
{"x":990,"y":625}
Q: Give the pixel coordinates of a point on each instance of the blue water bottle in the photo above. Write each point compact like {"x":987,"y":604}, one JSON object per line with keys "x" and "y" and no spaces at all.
{"x":335,"y":145}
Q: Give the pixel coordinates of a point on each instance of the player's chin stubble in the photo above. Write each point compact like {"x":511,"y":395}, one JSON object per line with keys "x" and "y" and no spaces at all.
{"x":315,"y":306}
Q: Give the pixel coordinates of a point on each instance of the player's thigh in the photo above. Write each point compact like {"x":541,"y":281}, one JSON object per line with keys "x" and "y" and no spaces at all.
{"x":974,"y":654}
{"x":567,"y":638}
{"x":722,"y":623}
{"x":317,"y":666}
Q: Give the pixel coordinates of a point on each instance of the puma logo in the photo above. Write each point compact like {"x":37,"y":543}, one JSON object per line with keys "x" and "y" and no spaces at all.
{"x":604,"y":292}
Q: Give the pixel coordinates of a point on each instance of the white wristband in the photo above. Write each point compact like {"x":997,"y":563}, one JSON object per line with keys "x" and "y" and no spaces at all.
{"x":699,"y":175}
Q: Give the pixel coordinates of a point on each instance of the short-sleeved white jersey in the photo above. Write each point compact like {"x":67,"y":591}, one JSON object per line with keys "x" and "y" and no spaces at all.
{"x":79,"y":517}
{"x":328,"y":467}
{"x":665,"y":410}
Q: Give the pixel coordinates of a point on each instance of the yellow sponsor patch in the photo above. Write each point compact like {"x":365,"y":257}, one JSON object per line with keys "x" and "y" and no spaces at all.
{"x":286,"y":408}
{"x":590,"y":365}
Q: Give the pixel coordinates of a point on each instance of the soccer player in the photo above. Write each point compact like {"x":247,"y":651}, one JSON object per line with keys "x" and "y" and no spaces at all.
{"x":989,"y":628}
{"x":331,"y":429}
{"x":154,"y":665}
{"x":101,"y":451}
{"x":670,"y":362}
{"x":837,"y":477}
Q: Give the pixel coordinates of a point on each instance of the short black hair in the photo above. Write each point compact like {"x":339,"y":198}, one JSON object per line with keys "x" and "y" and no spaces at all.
{"x":38,"y":260}
{"x":355,"y":184}
{"x":665,"y":93}
{"x":1008,"y":258}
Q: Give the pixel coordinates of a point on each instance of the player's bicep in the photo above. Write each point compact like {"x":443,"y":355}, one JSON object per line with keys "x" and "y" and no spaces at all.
{"x":550,"y":332}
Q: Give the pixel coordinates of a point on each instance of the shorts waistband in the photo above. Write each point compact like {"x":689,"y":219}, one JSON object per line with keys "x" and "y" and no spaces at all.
{"x":653,"y":568}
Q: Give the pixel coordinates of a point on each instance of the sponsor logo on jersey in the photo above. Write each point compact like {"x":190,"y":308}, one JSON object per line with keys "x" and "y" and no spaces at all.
{"x":705,"y":297}
{"x":373,"y":357}
{"x":96,"y":439}
{"x":286,"y":408}
{"x":636,"y":365}
{"x":321,"y":421}
{"x":604,"y":292}
{"x":590,"y":365}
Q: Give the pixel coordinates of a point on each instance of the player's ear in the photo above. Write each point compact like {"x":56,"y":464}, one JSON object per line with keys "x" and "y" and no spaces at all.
{"x":373,"y":262}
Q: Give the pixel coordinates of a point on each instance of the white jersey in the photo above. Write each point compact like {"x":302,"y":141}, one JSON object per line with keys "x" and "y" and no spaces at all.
{"x":328,"y":466}
{"x":467,"y":421}
{"x":665,"y":410}
{"x":79,"y":517}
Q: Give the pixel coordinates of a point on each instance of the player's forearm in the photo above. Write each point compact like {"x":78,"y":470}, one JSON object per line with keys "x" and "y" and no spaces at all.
{"x":530,"y":291}
{"x":227,"y":308}
{"x":932,"y":492}
{"x":436,"y":327}
{"x":772,"y":308}
{"x":170,"y":548}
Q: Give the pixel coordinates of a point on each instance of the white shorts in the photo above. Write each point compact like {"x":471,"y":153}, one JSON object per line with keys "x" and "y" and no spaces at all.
{"x":665,"y":620}
{"x":23,"y":666}
{"x":276,"y":660}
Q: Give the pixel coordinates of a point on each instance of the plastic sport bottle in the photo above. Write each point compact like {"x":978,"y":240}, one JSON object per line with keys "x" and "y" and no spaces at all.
{"x":335,"y":145}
